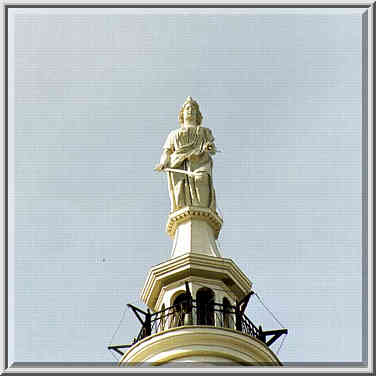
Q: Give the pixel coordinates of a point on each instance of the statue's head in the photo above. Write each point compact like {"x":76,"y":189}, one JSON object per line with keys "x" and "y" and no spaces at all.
{"x":190,"y":109}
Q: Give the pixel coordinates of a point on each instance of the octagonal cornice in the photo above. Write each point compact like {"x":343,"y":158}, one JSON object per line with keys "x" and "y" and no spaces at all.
{"x":194,"y":264}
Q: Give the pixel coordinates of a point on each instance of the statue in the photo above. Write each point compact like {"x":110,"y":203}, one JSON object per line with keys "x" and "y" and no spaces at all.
{"x":187,"y":160}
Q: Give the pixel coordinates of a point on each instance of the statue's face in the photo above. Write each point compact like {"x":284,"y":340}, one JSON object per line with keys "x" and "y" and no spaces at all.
{"x":190,"y":113}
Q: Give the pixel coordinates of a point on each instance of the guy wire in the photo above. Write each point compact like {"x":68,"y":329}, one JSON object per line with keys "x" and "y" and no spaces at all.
{"x":275,"y":318}
{"x":283,"y":340}
{"x":121,"y":320}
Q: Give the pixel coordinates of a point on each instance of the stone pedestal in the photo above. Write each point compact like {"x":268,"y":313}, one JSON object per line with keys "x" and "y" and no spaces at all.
{"x":195,"y":230}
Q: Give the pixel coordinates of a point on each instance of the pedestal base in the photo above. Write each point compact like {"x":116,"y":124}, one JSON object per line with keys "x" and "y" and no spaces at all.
{"x":212,"y":346}
{"x":194,"y":230}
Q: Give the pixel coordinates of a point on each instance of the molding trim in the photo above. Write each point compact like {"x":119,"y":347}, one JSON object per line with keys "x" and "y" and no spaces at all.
{"x":189,"y":341}
{"x":194,"y":265}
{"x":189,"y":212}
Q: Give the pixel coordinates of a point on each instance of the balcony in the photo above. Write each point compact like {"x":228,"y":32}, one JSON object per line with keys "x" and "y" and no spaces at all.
{"x":191,"y":313}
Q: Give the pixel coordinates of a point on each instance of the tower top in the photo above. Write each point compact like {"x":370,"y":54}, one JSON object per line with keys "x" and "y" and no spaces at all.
{"x":197,"y":296}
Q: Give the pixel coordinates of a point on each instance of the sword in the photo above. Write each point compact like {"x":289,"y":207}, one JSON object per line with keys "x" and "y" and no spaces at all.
{"x":189,"y":173}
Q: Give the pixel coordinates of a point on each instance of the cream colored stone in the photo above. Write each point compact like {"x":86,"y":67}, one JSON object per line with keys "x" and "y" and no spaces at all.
{"x":187,"y":154}
{"x":190,"y":213}
{"x":197,"y":265}
{"x":210,"y":344}
{"x":170,"y":291}
{"x":194,"y":235}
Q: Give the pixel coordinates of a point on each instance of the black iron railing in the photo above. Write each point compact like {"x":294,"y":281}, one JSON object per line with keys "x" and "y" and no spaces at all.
{"x":191,"y":312}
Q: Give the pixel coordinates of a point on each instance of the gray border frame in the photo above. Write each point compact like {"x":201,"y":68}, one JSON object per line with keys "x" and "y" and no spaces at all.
{"x":368,"y":85}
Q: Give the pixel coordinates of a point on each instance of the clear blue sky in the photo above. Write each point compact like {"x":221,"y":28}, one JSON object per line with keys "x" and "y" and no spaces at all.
{"x":94,"y":93}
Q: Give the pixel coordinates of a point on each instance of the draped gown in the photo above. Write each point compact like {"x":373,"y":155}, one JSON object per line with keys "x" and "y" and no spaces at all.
{"x":186,"y":146}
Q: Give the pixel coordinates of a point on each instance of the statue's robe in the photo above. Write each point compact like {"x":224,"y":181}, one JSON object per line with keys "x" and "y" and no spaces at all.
{"x":186,"y":148}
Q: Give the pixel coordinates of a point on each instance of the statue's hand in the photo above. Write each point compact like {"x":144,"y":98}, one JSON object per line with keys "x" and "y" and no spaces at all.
{"x":159,"y":167}
{"x":210,"y":148}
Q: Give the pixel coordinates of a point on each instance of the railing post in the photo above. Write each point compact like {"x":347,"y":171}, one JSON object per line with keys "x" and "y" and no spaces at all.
{"x":188,"y":320}
{"x":148,"y":323}
{"x":262,"y":336}
{"x":239,"y":310}
{"x":238,"y":317}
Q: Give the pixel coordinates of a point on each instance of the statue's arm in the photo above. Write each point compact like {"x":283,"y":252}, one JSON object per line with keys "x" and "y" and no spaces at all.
{"x":168,"y":149}
{"x":165,"y":159}
{"x":209,"y":145}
